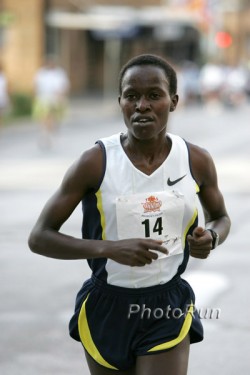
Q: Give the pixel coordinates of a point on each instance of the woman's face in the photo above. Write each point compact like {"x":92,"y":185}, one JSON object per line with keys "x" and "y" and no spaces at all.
{"x":145,"y":101}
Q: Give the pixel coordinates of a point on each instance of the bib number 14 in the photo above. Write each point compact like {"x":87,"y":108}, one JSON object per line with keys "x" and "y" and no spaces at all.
{"x":155,"y":227}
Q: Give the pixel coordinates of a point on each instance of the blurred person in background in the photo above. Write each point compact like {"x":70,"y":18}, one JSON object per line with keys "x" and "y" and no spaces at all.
{"x":4,"y":95}
{"x":51,"y":88}
{"x":139,"y":193}
{"x":212,"y":78}
{"x":248,"y":80}
{"x":234,"y":91}
{"x":190,"y":73}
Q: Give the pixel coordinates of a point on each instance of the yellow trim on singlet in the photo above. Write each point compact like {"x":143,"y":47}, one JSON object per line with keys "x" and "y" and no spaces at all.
{"x":87,"y":340}
{"x":190,"y":223}
{"x":183,"y":333}
{"x":100,"y":209}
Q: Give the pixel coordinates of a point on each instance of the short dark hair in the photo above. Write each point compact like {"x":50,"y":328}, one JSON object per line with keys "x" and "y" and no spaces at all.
{"x":148,"y":59}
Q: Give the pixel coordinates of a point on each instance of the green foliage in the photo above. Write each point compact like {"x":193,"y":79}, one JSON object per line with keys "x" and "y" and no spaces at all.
{"x":21,"y":105}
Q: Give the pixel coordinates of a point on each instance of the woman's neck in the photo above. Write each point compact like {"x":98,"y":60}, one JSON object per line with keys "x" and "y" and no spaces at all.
{"x":146,"y":155}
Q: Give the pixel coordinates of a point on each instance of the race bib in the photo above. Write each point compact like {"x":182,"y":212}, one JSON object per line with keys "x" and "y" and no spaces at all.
{"x":156,"y":215}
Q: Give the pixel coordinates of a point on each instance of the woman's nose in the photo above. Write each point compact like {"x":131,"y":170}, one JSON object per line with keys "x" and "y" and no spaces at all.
{"x":142,"y":104}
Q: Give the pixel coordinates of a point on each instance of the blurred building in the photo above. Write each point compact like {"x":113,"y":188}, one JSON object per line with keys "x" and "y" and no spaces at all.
{"x":236,"y":22}
{"x":93,"y":38}
{"x":21,"y":41}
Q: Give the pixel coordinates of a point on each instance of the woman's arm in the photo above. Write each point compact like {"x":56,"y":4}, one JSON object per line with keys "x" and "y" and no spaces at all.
{"x":212,"y":201}
{"x":45,"y":238}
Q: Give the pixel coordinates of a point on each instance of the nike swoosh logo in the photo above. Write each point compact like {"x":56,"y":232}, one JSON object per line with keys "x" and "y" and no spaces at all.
{"x":171,"y":183}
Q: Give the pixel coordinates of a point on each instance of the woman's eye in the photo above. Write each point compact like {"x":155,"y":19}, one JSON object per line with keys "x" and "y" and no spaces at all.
{"x":131,"y":96}
{"x":155,"y":95}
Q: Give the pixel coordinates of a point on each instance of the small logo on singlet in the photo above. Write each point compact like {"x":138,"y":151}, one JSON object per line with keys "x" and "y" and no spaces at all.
{"x":152,"y":204}
{"x":171,"y":183}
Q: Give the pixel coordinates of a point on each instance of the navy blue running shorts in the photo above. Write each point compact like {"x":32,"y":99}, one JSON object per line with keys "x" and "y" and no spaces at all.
{"x":115,"y":325}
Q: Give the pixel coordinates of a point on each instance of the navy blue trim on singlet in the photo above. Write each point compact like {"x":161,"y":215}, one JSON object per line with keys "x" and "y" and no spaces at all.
{"x":92,"y":230}
{"x":184,"y":263}
{"x":91,"y":222}
{"x":189,"y":161}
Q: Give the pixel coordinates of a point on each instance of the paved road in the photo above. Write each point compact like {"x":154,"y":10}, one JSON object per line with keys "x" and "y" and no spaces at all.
{"x":37,"y":294}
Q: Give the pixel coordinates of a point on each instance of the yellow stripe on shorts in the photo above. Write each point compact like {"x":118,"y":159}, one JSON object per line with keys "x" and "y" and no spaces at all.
{"x":87,"y":340}
{"x":183,"y":333}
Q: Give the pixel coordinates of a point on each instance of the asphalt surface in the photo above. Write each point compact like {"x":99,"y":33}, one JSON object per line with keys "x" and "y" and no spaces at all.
{"x":37,"y":294}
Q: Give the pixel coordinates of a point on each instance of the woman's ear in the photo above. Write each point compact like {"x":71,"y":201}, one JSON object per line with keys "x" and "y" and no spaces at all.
{"x":174,"y":102}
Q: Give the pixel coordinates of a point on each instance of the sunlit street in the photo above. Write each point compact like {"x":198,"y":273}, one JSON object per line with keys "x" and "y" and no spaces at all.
{"x":37,"y":294}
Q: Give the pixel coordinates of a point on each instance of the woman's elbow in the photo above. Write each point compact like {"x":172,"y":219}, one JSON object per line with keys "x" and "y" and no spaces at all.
{"x":33,"y":241}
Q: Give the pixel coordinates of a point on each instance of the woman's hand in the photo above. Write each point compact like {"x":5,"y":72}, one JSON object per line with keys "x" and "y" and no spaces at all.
{"x":135,"y":251}
{"x":200,"y":243}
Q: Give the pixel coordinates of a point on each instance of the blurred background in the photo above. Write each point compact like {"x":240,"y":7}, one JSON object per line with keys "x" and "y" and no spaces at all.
{"x":92,"y":39}
{"x":65,"y":56}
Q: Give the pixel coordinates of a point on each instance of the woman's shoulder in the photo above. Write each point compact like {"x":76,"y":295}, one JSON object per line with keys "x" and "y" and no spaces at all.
{"x":199,"y":152}
{"x":110,"y":141}
{"x":201,"y":162}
